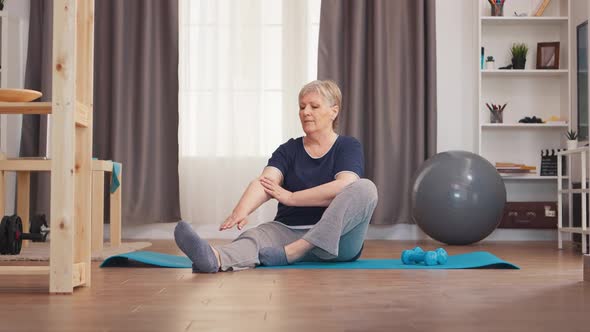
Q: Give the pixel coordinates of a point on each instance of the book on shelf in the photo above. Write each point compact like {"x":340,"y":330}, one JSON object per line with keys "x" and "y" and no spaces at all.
{"x":507,"y":164}
{"x":516,"y":172}
{"x":514,"y":166}
{"x":515,"y":169}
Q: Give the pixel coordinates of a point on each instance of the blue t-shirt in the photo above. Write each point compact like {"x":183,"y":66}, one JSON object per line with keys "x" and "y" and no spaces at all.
{"x":301,"y":171}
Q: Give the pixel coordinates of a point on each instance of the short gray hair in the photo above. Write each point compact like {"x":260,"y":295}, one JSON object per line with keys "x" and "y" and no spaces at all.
{"x":328,"y":89}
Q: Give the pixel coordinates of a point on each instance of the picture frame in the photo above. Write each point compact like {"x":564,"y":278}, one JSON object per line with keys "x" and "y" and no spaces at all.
{"x":548,"y":55}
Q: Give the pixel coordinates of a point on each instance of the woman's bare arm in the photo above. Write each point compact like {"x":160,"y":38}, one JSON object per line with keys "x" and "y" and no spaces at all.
{"x":251,"y":199}
{"x":317,"y":196}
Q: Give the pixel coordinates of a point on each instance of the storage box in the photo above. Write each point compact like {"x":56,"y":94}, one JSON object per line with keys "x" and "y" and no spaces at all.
{"x":536,"y":215}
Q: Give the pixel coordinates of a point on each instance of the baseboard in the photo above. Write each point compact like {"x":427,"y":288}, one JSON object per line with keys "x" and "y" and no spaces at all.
{"x":376,"y":232}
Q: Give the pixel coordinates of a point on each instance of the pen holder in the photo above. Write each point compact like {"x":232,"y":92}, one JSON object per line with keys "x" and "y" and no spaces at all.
{"x":498,"y":10}
{"x":496,"y":117}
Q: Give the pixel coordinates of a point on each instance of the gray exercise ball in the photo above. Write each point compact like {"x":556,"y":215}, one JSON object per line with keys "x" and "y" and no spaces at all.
{"x":458,"y":197}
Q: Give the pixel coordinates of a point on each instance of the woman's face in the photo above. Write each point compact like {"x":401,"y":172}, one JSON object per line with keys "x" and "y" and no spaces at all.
{"x":315,"y":113}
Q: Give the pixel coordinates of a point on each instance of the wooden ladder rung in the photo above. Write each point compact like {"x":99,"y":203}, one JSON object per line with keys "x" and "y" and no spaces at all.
{"x":78,"y":275}
{"x":45,"y":108}
{"x":25,"y":164}
{"x":82,"y":115}
{"x":102,"y":165}
{"x":24,"y":270}
{"x":25,"y":108}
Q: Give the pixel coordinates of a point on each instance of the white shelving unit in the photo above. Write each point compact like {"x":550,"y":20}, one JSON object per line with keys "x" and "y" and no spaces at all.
{"x":522,"y":19}
{"x":522,"y":125}
{"x":584,"y":228}
{"x":529,"y":92}
{"x":525,"y":72}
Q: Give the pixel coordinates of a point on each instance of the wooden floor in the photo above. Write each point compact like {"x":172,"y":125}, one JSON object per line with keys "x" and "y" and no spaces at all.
{"x":547,"y":294}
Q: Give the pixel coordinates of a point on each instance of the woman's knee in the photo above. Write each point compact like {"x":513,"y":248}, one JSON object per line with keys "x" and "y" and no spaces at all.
{"x":250,"y":233}
{"x":350,"y":255}
{"x":256,"y":235}
{"x":364,"y":188}
{"x":263,"y":235}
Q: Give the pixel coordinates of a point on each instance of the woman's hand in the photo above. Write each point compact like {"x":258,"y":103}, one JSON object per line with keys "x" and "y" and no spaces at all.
{"x":232,"y":220}
{"x":276,"y":191}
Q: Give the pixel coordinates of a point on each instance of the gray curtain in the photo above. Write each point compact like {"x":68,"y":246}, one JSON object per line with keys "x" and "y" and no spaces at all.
{"x":135,"y":101}
{"x":38,"y":77}
{"x":382,"y":54}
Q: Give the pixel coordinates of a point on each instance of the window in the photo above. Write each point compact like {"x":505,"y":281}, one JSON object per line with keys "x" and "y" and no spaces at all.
{"x":242,"y":63}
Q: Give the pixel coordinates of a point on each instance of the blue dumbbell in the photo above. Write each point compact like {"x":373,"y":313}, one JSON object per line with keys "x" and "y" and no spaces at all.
{"x":441,"y":256}
{"x":413,"y":256}
{"x":417,"y":255}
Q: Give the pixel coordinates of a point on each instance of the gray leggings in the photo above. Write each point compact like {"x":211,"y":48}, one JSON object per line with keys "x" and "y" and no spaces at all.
{"x":337,"y":236}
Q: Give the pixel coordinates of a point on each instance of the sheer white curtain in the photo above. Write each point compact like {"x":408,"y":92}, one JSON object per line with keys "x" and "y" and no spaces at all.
{"x":241,"y":65}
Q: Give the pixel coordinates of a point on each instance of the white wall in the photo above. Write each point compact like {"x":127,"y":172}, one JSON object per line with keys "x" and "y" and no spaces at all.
{"x":456,"y":45}
{"x":19,"y":9}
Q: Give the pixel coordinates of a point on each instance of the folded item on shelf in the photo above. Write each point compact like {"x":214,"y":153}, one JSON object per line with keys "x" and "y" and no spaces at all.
{"x":533,"y":119}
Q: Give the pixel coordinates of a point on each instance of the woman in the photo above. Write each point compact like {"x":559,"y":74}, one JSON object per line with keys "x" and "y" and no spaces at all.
{"x":324,"y":206}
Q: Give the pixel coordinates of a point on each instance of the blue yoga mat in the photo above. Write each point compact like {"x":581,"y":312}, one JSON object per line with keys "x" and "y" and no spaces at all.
{"x":472,"y":260}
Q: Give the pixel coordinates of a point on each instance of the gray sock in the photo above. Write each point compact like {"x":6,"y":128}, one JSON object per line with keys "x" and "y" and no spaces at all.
{"x":273,"y":256}
{"x":197,"y":249}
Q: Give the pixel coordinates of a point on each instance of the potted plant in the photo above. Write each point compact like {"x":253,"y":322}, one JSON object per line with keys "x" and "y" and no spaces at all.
{"x":572,"y":137}
{"x":519,"y":51}
{"x":490,"y":63}
{"x":1,"y":4}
